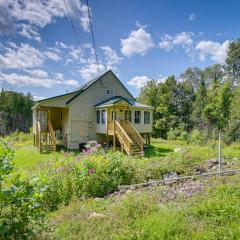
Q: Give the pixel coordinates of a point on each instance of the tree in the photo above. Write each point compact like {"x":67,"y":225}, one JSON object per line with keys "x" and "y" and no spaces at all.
{"x":232,"y":66}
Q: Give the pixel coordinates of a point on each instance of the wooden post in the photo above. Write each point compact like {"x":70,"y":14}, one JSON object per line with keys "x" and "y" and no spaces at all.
{"x":219,"y":153}
{"x":108,"y":113}
{"x":114,"y":134}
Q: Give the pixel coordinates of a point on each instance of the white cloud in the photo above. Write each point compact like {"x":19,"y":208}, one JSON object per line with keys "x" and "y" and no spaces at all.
{"x":111,"y":56}
{"x":91,"y":71}
{"x":183,"y":39}
{"x":29,"y":32}
{"x":138,"y":42}
{"x":25,"y":56}
{"x":138,"y":81}
{"x":37,"y":98}
{"x":37,"y":73}
{"x":6,"y":21}
{"x":192,"y":17}
{"x":40,"y":13}
{"x":35,"y":81}
{"x":52,"y":55}
{"x":215,"y":50}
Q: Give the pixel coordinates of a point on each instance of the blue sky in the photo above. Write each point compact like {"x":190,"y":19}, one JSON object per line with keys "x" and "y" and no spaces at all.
{"x":138,"y":40}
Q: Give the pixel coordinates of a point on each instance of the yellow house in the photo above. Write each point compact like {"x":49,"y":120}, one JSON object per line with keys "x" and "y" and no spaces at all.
{"x":102,"y":110}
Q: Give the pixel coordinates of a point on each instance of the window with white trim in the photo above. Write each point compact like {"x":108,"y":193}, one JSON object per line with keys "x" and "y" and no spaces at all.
{"x":109,"y":91}
{"x":137,"y":119}
{"x":146,"y":117}
{"x":103,"y":116}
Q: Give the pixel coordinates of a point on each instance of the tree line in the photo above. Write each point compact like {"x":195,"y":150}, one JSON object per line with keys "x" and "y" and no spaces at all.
{"x":15,"y":112}
{"x":203,"y":101}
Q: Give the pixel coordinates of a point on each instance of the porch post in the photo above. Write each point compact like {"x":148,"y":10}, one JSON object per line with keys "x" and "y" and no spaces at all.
{"x":114,"y":134}
{"x":107,"y":127}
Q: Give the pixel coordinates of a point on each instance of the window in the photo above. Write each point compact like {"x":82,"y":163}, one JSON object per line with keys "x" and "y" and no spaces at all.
{"x":137,"y":117}
{"x":103,"y":116}
{"x":128,"y":115}
{"x":98,"y":116}
{"x":61,"y":115}
{"x":109,"y":91}
{"x":146,"y":117}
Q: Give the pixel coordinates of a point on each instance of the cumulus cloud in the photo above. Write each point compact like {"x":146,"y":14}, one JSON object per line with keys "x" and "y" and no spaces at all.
{"x":34,"y":81}
{"x":183,"y":39}
{"x":39,"y":13}
{"x":138,"y":42}
{"x":138,"y":81}
{"x":215,"y":50}
{"x":91,"y":71}
{"x":25,"y":56}
{"x":111,"y":56}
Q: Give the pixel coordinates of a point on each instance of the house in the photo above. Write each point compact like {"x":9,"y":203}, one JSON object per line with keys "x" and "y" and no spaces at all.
{"x":102,"y":110}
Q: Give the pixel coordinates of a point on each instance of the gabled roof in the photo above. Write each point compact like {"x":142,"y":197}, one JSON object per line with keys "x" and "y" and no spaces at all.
{"x":82,"y":88}
{"x":113,"y":100}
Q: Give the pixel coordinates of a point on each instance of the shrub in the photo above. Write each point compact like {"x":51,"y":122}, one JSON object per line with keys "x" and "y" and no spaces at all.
{"x":86,"y":175}
{"x":21,"y":209}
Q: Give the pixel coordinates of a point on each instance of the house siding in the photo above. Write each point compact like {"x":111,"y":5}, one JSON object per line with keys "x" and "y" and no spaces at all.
{"x":82,"y":112}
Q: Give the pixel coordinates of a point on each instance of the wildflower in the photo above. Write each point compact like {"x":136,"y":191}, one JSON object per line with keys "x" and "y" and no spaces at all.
{"x":78,"y":158}
{"x":90,"y":170}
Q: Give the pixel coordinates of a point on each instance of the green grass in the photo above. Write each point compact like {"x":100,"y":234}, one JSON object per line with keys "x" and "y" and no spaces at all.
{"x":147,"y":214}
{"x":213,"y":214}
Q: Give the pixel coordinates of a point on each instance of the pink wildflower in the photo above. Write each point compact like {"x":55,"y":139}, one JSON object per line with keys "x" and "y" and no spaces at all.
{"x":90,"y":170}
{"x":78,"y":158}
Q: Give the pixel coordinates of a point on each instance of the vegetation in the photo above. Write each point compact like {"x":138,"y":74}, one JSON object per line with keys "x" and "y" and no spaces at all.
{"x":203,"y":101}
{"x":15,"y":112}
{"x":53,"y":190}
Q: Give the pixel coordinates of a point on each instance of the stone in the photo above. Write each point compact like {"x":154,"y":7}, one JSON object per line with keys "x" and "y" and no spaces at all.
{"x":98,"y":199}
{"x":96,"y":215}
{"x":211,"y":162}
{"x":128,"y":191}
{"x":178,"y":150}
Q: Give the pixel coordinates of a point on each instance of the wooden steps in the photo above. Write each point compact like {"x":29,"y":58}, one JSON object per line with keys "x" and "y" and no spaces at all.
{"x":129,"y":138}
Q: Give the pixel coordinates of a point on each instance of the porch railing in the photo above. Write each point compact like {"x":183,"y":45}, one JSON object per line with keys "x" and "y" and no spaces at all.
{"x":123,"y":137}
{"x":133,"y":132}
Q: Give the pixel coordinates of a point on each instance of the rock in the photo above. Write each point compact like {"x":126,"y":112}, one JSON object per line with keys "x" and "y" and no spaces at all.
{"x":211,"y":162}
{"x":98,"y":199}
{"x":170,"y":175}
{"x":128,"y":191}
{"x":96,"y":215}
{"x":199,"y":170}
{"x":178,"y":150}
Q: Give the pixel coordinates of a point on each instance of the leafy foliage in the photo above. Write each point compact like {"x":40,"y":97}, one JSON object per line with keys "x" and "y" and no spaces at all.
{"x":204,"y":100}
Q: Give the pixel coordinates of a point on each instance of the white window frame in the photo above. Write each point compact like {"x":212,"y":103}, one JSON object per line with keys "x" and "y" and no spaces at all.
{"x":140,"y":116}
{"x":98,"y":117}
{"x":103,"y":116}
{"x":147,"y":118}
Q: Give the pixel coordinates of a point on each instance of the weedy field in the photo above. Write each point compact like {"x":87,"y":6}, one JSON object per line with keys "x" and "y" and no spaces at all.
{"x":74,"y":195}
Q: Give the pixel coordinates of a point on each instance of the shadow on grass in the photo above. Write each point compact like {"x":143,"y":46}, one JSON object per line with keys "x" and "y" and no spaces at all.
{"x":153,"y":151}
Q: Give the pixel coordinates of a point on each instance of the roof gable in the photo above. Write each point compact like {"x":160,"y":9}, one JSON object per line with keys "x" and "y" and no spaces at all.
{"x":82,"y":89}
{"x":92,"y":82}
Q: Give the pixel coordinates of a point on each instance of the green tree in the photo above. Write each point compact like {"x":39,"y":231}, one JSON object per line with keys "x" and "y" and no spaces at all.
{"x":232,"y":66}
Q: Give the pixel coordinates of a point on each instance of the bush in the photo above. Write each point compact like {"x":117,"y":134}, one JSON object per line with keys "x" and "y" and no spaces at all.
{"x":86,"y":175}
{"x":21,"y":211}
{"x":177,"y":134}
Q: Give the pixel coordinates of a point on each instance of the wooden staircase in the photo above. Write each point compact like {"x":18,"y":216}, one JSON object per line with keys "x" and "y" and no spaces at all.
{"x":129,"y":138}
{"x":46,"y":138}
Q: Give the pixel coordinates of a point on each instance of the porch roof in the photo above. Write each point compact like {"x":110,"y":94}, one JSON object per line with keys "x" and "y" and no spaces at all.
{"x":114,"y":100}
